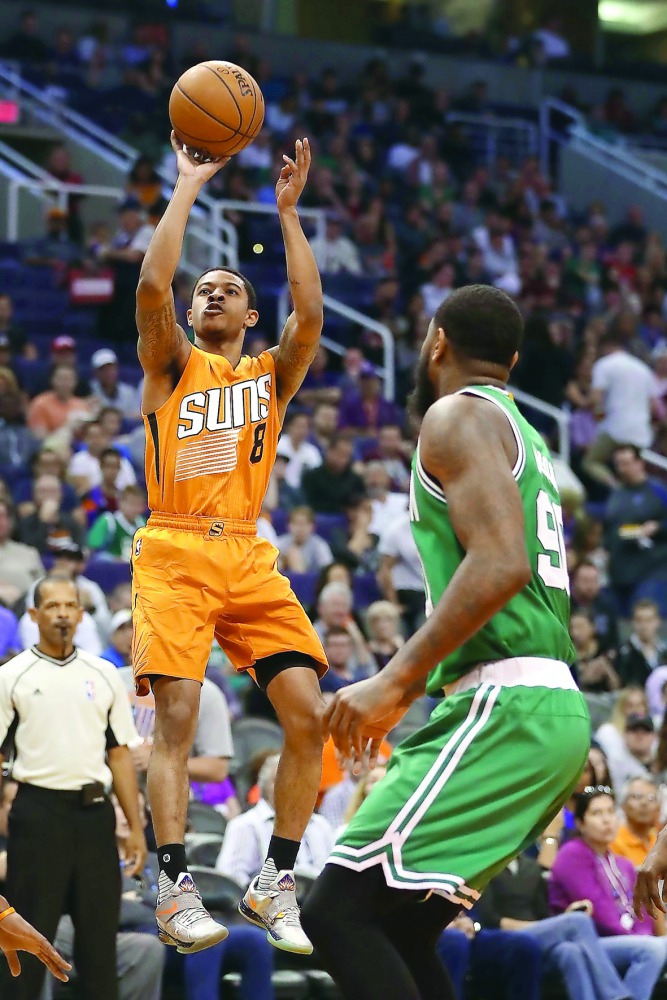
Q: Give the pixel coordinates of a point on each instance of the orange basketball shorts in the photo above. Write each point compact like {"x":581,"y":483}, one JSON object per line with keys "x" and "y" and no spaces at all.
{"x":199,"y":578}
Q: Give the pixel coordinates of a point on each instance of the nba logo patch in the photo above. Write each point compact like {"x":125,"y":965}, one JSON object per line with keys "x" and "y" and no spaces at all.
{"x":137,"y":548}
{"x":90,"y":690}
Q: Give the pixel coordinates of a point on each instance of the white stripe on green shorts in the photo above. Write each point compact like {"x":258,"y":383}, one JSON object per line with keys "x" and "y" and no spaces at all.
{"x":388,"y":849}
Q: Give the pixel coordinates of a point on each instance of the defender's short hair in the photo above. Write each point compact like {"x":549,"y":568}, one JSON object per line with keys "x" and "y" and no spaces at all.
{"x":482,"y":323}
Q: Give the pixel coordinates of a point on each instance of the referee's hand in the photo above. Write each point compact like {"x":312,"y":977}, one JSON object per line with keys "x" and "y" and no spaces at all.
{"x":135,"y":852}
{"x":16,"y":934}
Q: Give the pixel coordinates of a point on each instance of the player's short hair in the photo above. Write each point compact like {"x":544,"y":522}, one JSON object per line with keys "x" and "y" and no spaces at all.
{"x":482,"y":323}
{"x":250,"y":291}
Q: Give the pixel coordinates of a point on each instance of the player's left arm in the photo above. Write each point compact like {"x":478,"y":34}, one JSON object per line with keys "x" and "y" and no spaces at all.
{"x":300,"y":338}
{"x":466,"y":447}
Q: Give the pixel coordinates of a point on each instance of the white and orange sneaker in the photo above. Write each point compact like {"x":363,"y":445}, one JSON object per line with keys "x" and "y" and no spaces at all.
{"x":277,"y":911}
{"x":182,"y":919}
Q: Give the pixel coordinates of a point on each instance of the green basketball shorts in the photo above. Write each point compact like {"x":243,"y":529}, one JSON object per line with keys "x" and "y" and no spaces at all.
{"x":471,"y":789}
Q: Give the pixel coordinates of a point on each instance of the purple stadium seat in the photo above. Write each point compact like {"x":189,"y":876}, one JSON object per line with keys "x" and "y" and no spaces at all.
{"x":108,"y":574}
{"x":303,"y":585}
{"x":279,"y":521}
{"x":365,"y":590}
{"x":326,"y":524}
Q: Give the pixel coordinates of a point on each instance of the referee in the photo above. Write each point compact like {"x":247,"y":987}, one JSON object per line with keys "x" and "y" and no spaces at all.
{"x":68,"y":716}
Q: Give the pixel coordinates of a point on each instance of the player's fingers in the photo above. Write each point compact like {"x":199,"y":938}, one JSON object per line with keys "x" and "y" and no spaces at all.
{"x":176,"y":143}
{"x":13,"y":963}
{"x":299,"y":153}
{"x":373,"y":753}
{"x":290,"y":164}
{"x":54,"y":962}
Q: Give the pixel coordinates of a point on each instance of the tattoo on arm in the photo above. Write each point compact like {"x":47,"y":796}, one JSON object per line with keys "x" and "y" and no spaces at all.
{"x":159,"y":333}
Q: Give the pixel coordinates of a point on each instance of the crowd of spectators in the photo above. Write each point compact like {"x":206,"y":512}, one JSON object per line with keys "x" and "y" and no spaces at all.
{"x":411,"y":215}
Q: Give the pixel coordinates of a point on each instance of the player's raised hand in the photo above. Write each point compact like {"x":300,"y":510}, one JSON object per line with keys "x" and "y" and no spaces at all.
{"x":293,"y":175}
{"x":189,"y":166}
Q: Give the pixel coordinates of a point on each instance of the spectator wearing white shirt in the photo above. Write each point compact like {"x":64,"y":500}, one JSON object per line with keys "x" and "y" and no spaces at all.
{"x":440,"y":287}
{"x":108,"y":388}
{"x":20,"y":565}
{"x":335,"y":253}
{"x":623,"y":390}
{"x":294,"y":445}
{"x":247,"y":836}
{"x":301,"y":550}
{"x":84,"y":470}
{"x":400,"y":575}
{"x":386,"y":506}
{"x":552,"y":41}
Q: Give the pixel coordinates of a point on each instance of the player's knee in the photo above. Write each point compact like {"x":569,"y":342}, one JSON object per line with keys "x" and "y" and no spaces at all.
{"x":175,"y":726}
{"x":304,"y":727}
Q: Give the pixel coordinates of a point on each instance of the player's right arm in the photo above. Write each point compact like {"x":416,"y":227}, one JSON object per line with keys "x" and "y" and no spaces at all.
{"x":163,"y":348}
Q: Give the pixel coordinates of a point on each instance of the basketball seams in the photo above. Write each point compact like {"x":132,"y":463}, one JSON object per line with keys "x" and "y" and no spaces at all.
{"x":208,"y":114}
{"x":230,"y":92}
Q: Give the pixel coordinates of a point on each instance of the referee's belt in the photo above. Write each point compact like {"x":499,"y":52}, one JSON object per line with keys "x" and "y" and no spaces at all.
{"x":92,"y":794}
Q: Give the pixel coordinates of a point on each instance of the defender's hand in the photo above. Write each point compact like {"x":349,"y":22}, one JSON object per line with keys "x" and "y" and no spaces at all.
{"x":293,"y":176}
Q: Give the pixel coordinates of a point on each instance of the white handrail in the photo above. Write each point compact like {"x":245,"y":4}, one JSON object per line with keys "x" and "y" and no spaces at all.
{"x":43,"y":185}
{"x":386,"y":372}
{"x":494,"y":124}
{"x":263,"y":208}
{"x":547,"y":106}
{"x":561,"y":417}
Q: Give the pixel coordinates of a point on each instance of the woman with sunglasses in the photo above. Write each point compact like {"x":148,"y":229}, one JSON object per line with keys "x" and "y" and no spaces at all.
{"x":586,"y":868}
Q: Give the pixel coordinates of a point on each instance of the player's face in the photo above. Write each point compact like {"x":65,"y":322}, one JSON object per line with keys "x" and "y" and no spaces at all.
{"x":220,"y":306}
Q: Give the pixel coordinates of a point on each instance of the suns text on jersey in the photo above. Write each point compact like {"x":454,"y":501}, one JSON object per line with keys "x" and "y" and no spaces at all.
{"x":225,"y":408}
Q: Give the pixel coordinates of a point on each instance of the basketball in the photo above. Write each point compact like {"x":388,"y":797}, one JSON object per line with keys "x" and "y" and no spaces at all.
{"x":216,"y":109}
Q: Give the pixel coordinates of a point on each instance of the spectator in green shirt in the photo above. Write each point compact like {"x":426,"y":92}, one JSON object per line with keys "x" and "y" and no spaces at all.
{"x":111,"y":535}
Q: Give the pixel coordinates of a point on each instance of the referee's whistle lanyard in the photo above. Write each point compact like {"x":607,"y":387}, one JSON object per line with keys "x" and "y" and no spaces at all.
{"x":621,"y":895}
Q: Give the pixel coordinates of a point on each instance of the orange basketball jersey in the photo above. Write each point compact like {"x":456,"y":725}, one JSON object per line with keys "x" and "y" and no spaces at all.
{"x":211,"y":447}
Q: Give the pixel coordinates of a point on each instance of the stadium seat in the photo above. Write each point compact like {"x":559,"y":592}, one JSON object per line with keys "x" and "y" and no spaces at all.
{"x":304,"y":585}
{"x":108,"y":574}
{"x":322,"y":986}
{"x":251,"y":735}
{"x":205,"y":852}
{"x":220,"y":893}
{"x":287,"y":985}
{"x":203,"y":818}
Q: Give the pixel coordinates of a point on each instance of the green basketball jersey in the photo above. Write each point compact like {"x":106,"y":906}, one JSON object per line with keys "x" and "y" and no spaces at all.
{"x":535,"y":621}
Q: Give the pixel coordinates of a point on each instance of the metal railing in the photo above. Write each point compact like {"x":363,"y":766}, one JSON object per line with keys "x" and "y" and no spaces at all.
{"x":386,"y":372}
{"x":563,"y":417}
{"x":54,"y":192}
{"x":261,"y":208}
{"x":497,"y":136}
{"x":549,"y":132}
{"x":560,"y":417}
{"x":83,"y":131}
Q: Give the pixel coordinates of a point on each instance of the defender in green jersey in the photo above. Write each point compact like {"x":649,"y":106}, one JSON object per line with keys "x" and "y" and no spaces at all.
{"x":505,"y":747}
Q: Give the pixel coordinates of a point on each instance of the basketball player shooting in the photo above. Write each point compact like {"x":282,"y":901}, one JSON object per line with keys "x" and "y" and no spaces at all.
{"x":213,"y":416}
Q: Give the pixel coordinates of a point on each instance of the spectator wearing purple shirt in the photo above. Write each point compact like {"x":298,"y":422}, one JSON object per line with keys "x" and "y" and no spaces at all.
{"x":586,"y":869}
{"x":10,"y":644}
{"x":368,"y":410}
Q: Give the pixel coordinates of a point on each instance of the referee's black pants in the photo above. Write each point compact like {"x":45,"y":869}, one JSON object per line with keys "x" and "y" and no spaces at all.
{"x":62,"y":858}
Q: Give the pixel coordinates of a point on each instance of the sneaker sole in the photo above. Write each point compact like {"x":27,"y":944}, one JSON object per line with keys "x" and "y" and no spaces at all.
{"x":254,"y":918}
{"x":183,"y":948}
